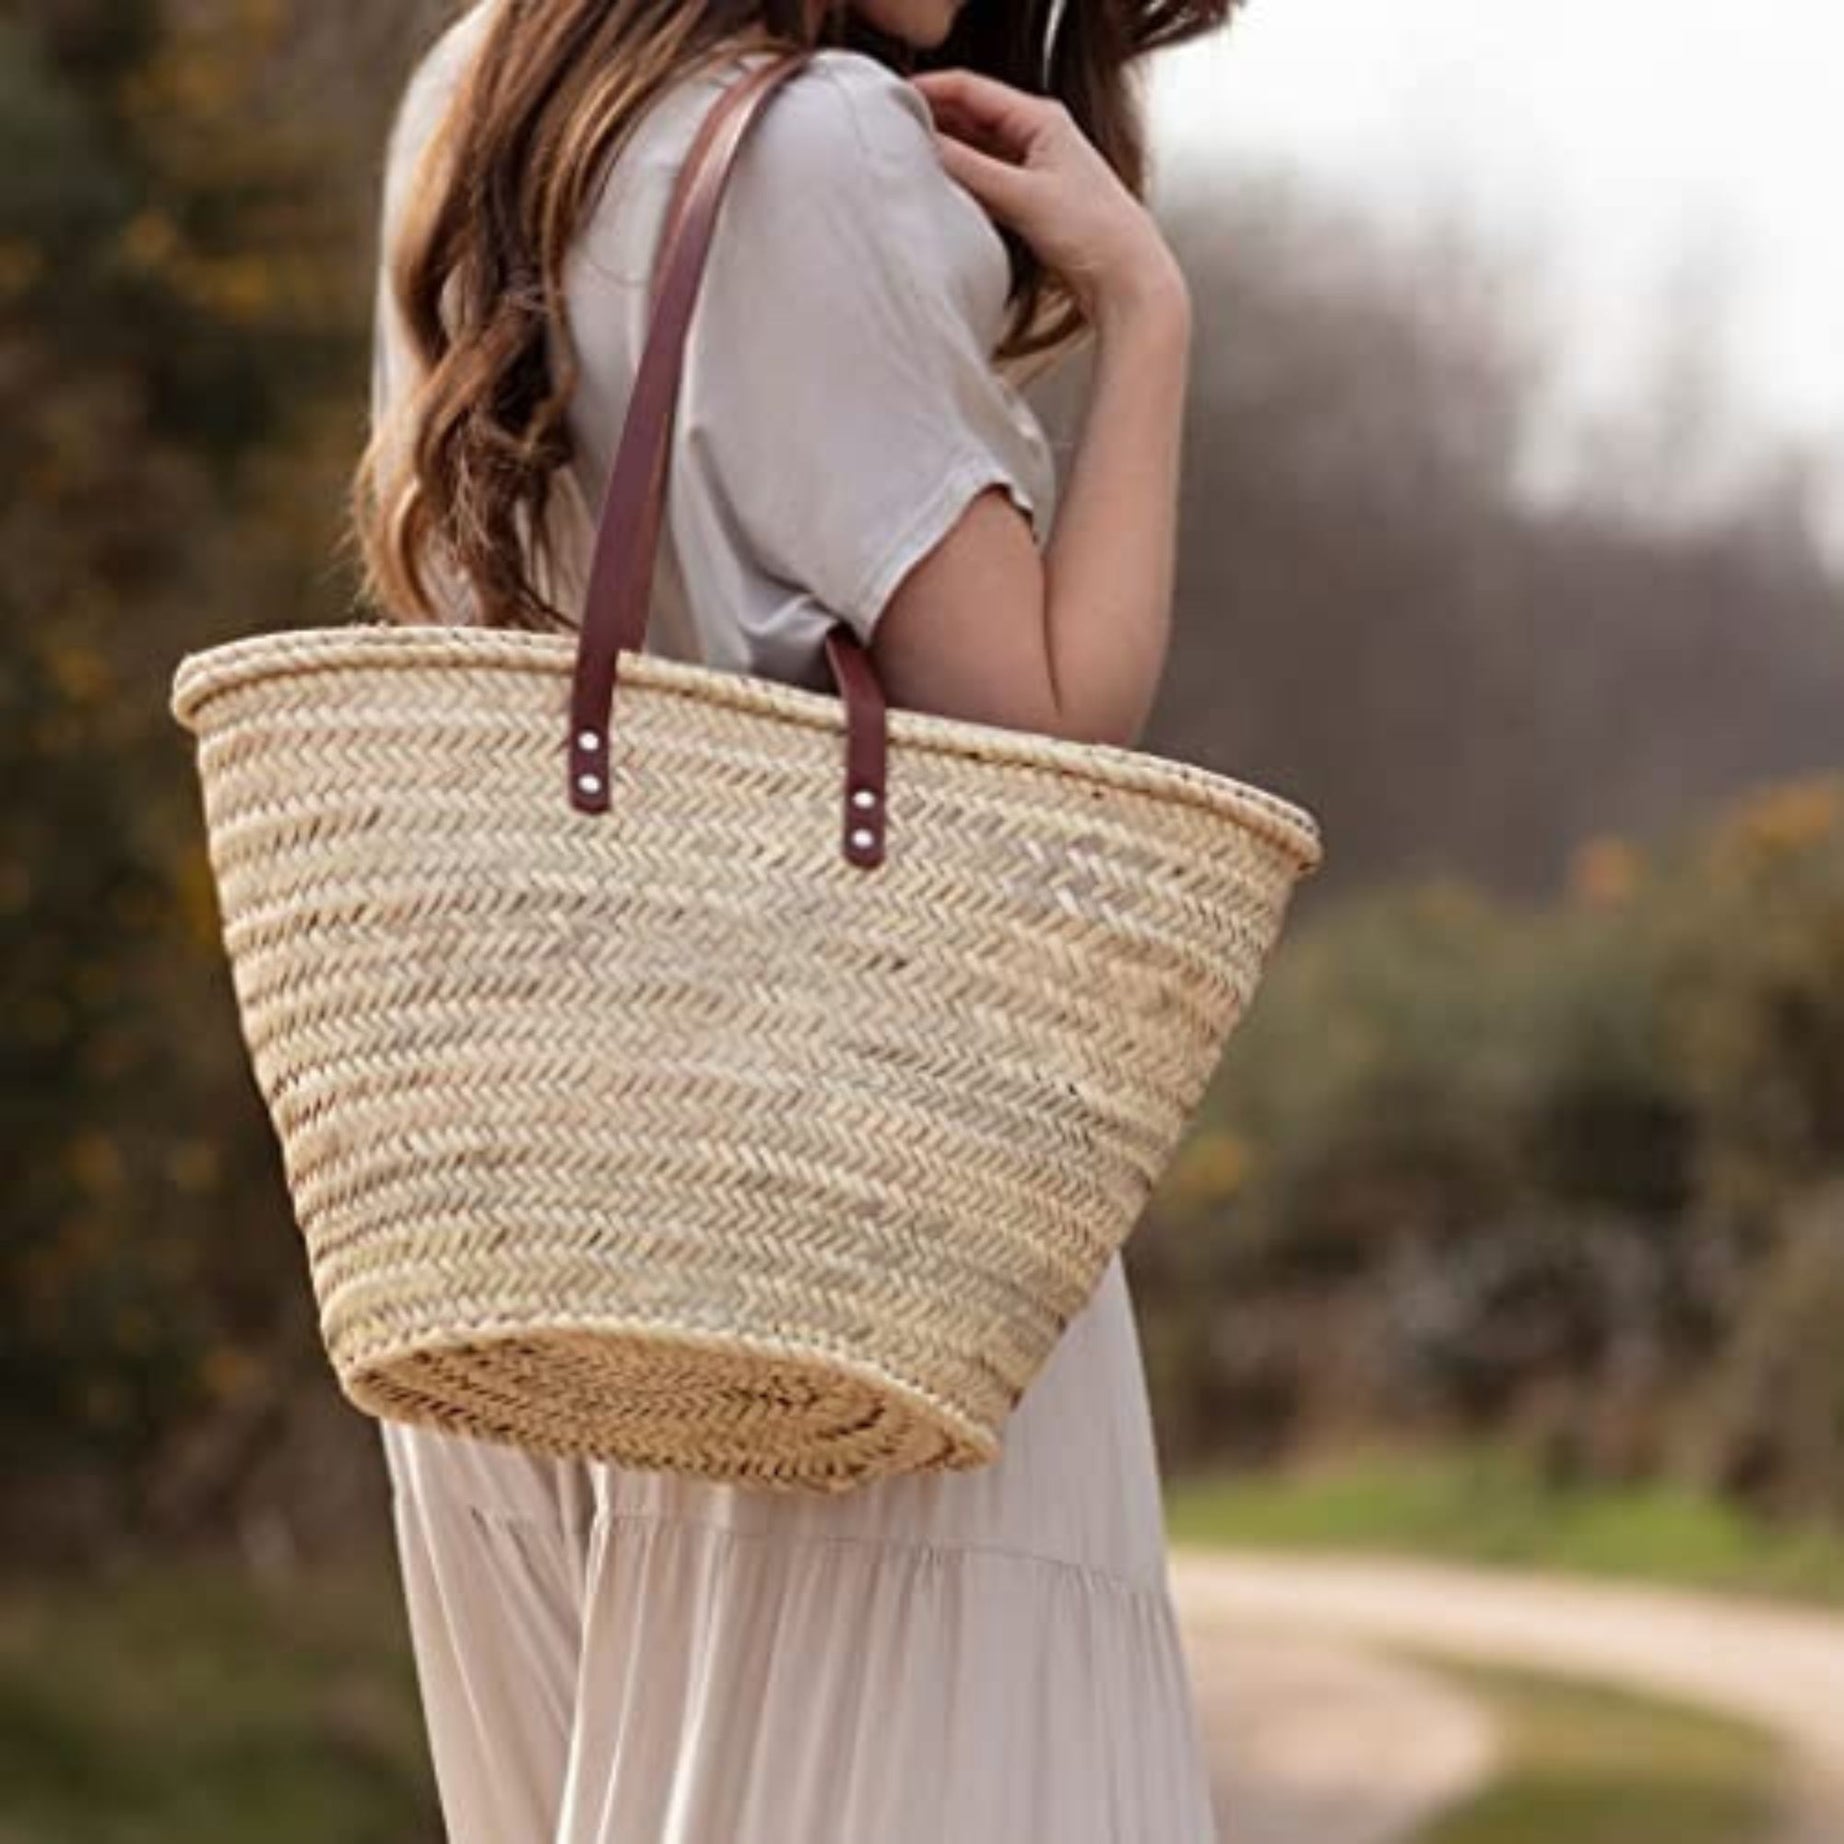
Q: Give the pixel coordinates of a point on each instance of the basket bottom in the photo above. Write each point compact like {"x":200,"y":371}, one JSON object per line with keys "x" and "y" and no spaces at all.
{"x":668,"y":1402}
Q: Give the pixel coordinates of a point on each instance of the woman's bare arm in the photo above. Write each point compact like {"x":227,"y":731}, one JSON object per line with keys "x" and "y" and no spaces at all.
{"x":1070,"y":642}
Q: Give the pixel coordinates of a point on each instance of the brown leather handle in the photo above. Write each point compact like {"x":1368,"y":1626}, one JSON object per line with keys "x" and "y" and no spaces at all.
{"x":619,"y":595}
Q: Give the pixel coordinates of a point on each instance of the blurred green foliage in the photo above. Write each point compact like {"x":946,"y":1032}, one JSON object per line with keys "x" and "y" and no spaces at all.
{"x":202,"y":1705}
{"x":1575,"y":1174}
{"x":176,"y":312}
{"x":1601,"y":1766}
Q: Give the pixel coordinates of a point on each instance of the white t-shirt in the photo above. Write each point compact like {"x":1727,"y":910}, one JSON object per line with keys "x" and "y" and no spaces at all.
{"x":840,"y":405}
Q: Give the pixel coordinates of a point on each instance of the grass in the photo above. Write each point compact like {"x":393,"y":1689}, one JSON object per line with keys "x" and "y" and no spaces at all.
{"x":1588,"y":1765}
{"x":186,"y":1707}
{"x":1488,"y":1507}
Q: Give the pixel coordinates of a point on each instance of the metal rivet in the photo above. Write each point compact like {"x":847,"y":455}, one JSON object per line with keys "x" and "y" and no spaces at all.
{"x":864,"y":838}
{"x":590,"y":784}
{"x":864,"y":798}
{"x":588,"y":740}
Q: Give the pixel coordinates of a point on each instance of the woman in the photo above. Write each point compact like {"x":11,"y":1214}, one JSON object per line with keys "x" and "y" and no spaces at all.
{"x":610,"y":1656}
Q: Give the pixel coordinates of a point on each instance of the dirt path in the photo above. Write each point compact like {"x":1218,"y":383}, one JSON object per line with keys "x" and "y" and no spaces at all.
{"x":1321,"y":1742}
{"x":1781,"y":1667}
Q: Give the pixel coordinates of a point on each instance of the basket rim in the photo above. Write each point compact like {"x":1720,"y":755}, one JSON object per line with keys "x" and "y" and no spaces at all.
{"x":207,"y":674}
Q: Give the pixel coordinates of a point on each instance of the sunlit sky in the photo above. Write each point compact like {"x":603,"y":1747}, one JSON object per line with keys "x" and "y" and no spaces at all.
{"x":1626,"y":139}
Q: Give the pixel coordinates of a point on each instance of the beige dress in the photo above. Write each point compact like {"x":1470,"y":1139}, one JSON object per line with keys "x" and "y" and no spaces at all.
{"x":611,"y":1656}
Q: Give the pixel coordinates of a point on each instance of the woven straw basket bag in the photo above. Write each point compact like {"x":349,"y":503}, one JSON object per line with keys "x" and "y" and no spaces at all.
{"x":731,"y":1079}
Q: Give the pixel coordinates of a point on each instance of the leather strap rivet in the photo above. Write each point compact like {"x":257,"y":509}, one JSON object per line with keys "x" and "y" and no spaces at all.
{"x":864,"y":838}
{"x":863,"y":797}
{"x":590,"y":784}
{"x":588,"y":741}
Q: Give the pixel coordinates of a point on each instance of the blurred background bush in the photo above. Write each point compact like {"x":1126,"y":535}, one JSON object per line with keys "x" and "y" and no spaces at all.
{"x":1566,"y":1176}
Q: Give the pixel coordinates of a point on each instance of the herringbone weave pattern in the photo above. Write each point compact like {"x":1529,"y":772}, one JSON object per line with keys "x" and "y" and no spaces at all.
{"x":667,"y":1136}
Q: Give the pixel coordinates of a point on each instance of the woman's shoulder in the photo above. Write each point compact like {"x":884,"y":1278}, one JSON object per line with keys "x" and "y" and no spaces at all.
{"x":850,"y":144}
{"x":841,"y":110}
{"x":431,"y":86}
{"x":437,"y":73}
{"x":846,"y":105}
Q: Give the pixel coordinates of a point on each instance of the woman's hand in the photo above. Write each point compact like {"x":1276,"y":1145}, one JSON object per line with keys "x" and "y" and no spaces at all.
{"x":1026,"y":160}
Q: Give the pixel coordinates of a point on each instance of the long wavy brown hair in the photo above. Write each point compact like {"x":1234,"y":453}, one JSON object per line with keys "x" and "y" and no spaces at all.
{"x":458,"y":484}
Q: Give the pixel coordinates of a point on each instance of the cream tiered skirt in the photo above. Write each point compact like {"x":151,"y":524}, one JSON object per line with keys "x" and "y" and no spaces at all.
{"x":610,"y":1656}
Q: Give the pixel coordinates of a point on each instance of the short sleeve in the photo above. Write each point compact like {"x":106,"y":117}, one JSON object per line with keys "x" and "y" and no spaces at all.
{"x":840,"y":405}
